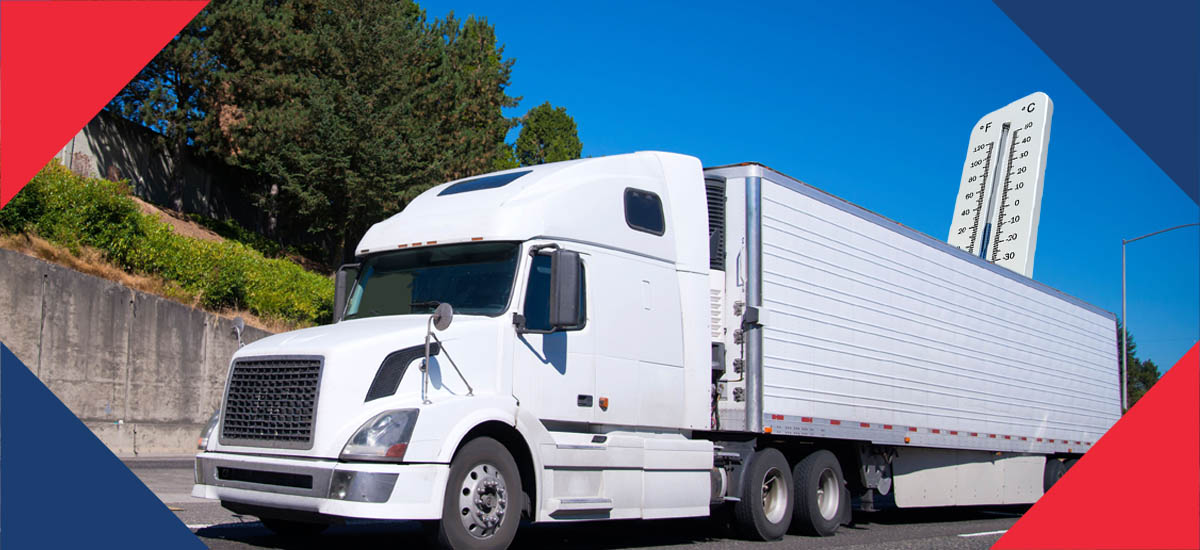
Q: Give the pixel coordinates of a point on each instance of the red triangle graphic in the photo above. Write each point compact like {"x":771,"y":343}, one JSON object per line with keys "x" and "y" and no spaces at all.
{"x":63,"y":61}
{"x":1138,"y":487}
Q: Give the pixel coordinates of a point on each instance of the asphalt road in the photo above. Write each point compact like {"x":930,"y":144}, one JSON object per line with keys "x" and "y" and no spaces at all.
{"x":941,"y":528}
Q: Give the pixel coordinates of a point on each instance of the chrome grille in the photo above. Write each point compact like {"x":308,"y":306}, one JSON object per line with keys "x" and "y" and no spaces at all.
{"x":271,"y":402}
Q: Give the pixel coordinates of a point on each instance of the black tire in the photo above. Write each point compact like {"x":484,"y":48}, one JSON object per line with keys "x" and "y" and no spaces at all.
{"x":485,"y":468}
{"x":759,"y":518}
{"x":1070,"y":463}
{"x":1055,"y":469}
{"x":817,"y":512}
{"x":290,"y":529}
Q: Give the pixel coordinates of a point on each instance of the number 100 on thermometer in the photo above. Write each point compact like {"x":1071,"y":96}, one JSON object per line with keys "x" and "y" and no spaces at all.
{"x":999,"y":199}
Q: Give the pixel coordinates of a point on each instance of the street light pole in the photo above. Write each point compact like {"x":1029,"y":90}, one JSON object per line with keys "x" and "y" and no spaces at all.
{"x":1125,"y":319}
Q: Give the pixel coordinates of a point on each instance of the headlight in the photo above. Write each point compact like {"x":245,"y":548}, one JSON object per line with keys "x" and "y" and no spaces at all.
{"x":383,"y":438}
{"x":209,"y":429}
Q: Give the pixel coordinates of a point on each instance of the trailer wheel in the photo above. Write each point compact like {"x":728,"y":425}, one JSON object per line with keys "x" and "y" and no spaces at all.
{"x":1055,"y":469}
{"x":294,"y":529}
{"x":482,"y":508}
{"x":822,"y":500}
{"x":1070,"y":463}
{"x":764,"y":510}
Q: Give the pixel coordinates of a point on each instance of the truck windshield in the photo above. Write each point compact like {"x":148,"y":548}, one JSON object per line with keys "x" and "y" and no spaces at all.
{"x":474,"y":278}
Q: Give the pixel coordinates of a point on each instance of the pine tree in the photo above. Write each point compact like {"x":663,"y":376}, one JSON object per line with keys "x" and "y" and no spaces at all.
{"x":548,"y":134}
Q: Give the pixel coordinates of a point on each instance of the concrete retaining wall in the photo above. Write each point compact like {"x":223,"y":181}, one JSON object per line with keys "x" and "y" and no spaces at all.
{"x":144,"y":373}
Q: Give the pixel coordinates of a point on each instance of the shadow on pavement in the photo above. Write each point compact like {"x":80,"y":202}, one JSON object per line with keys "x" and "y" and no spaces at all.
{"x":609,"y":535}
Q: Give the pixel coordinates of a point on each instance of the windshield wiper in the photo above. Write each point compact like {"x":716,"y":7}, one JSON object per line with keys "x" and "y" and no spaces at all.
{"x":431,"y":304}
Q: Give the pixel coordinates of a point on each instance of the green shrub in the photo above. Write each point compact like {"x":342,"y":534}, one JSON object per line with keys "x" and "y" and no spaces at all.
{"x":73,"y":211}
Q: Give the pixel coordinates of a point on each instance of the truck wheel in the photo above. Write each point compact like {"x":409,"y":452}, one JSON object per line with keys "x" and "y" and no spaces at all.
{"x":822,"y":500}
{"x":764,"y":510}
{"x":482,"y":508}
{"x":1054,"y":472}
{"x":1070,"y":463}
{"x":294,"y":529}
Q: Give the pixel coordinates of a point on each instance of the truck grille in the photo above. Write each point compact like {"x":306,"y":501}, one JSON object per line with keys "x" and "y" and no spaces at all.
{"x":271,"y":402}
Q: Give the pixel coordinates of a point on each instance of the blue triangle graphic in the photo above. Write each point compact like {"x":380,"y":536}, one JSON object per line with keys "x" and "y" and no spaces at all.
{"x":60,"y":487}
{"x":1138,"y":62}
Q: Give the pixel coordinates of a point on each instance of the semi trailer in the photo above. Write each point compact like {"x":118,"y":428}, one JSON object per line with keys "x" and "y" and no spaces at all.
{"x":636,"y":336}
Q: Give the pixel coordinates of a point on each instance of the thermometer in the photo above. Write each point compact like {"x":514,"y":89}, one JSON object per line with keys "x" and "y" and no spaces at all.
{"x":999,"y":199}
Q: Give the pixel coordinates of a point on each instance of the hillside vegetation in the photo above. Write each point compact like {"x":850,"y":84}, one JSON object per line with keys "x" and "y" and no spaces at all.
{"x":86,"y":215}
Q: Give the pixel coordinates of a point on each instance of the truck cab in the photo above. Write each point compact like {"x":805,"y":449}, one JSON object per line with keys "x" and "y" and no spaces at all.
{"x":573,"y":353}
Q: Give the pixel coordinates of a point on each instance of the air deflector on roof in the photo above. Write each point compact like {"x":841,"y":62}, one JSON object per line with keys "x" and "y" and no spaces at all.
{"x":483,"y":182}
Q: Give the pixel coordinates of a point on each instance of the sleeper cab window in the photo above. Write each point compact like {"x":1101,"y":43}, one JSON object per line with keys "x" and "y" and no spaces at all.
{"x":537,"y":297}
{"x":644,"y":211}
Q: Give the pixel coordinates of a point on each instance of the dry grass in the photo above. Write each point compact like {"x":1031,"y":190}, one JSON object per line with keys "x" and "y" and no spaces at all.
{"x":92,"y":261}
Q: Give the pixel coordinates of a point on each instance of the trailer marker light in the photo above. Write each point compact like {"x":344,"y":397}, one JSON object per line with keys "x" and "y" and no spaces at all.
{"x":476,"y":238}
{"x":1024,"y":439}
{"x":887,"y":426}
{"x":992,"y":436}
{"x":363,"y":251}
{"x":906,"y":440}
{"x":835,"y":422}
{"x":1078,"y":443}
{"x":936,"y":431}
{"x":806,"y":419}
{"x":1008,"y":437}
{"x":974,"y":434}
{"x":1039,"y":440}
{"x":777,"y":417}
{"x":911,"y":429}
{"x":864,"y":425}
{"x":953,"y":432}
{"x":767,"y":430}
{"x":416,"y":244}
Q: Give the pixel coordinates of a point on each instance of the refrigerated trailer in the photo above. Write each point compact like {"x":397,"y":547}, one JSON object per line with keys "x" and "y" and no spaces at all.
{"x":635,"y":336}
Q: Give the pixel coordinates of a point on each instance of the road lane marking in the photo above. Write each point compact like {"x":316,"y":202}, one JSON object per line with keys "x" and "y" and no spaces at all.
{"x":1003,"y":514}
{"x":199,"y":526}
{"x":985,"y":533}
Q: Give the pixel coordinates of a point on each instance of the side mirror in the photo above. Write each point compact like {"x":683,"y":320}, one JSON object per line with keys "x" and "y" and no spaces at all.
{"x":566,"y":274}
{"x":239,"y":325}
{"x":346,"y":275}
{"x":442,"y":316}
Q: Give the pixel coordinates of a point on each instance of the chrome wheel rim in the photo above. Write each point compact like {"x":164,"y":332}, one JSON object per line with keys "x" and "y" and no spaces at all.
{"x":828,"y":494}
{"x":774,"y":495}
{"x":482,"y":501}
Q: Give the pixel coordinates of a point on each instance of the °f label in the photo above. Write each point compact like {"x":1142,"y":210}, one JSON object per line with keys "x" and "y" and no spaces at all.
{"x":999,"y":200}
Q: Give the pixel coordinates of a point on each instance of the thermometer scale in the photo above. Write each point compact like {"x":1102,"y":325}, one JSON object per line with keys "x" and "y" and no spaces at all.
{"x":999,"y":199}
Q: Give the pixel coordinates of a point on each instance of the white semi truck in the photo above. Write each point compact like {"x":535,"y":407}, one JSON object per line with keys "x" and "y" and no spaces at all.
{"x":635,"y":336}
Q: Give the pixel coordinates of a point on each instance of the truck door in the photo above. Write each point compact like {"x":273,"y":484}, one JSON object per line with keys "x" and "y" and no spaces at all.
{"x":553,"y":374}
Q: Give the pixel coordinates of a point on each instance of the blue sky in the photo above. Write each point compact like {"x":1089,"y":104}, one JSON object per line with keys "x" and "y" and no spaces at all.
{"x":872,"y":102}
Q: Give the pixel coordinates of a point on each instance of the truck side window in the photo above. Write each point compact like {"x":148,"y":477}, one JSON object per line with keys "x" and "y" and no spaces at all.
{"x":537,"y":296}
{"x":644,"y":211}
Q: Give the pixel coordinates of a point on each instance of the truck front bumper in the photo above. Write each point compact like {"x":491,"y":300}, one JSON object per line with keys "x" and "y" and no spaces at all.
{"x":323,"y":487}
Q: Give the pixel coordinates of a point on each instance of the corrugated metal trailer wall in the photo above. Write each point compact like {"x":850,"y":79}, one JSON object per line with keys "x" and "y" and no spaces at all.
{"x":874,"y":331}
